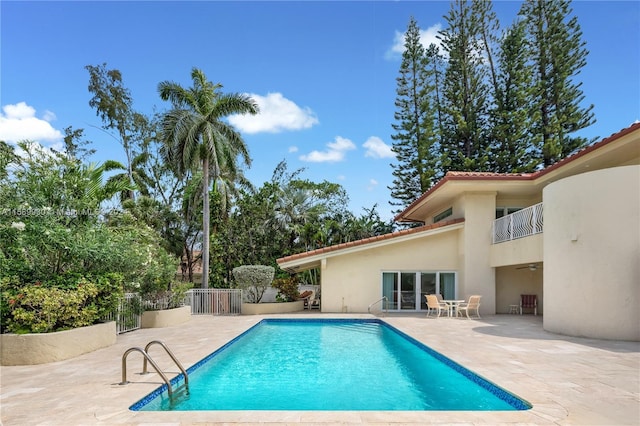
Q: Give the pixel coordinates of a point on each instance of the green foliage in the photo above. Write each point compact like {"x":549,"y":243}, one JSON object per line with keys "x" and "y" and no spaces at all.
{"x":253,"y":280}
{"x":557,"y":56}
{"x":65,"y":303}
{"x":287,"y":288}
{"x":465,"y":143}
{"x":197,"y":138}
{"x":415,"y":137}
{"x":168,"y":299}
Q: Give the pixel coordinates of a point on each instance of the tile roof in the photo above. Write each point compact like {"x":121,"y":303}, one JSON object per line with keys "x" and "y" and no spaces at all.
{"x":453,"y":175}
{"x":370,"y":240}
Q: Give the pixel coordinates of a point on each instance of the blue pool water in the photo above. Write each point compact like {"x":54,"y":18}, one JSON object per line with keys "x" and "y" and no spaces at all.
{"x":332,"y":365}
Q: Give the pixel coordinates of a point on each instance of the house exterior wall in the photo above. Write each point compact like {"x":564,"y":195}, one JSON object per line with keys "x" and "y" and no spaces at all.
{"x":591,"y":254}
{"x":523,"y":250}
{"x":476,"y":274}
{"x":351,"y":281}
{"x":512,"y":282}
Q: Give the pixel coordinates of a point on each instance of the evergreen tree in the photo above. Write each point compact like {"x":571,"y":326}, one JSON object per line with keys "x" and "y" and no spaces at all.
{"x":415,"y":135}
{"x":465,"y":141}
{"x":557,"y":55}
{"x":436,"y":67}
{"x":513,"y":145}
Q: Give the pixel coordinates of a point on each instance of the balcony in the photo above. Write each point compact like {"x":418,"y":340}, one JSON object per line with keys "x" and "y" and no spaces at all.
{"x":522,"y":223}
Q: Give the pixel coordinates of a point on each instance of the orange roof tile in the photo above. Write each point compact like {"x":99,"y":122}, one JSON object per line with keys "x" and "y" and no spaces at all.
{"x":453,"y":175}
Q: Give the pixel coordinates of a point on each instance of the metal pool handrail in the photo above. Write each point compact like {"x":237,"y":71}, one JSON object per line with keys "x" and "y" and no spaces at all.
{"x":173,"y":357}
{"x":385,"y":306}
{"x":153,"y":364}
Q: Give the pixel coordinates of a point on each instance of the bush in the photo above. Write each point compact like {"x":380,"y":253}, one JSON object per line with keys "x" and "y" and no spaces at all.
{"x":65,"y":303}
{"x":253,"y":280}
{"x":168,"y":299}
{"x":287,"y":288}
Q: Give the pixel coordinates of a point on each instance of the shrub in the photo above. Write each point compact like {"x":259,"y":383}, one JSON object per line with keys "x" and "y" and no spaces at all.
{"x":65,"y":303}
{"x":287,"y":288}
{"x":253,"y":280}
{"x":167,"y":299}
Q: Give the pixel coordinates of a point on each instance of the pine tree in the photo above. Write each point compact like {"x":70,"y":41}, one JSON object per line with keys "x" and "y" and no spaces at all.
{"x":514,"y":147}
{"x":465,"y":141}
{"x":558,"y":54}
{"x":415,"y":135}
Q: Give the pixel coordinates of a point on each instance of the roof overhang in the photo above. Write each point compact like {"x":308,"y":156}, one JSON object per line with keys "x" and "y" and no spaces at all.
{"x":622,"y":148}
{"x":314,"y":259}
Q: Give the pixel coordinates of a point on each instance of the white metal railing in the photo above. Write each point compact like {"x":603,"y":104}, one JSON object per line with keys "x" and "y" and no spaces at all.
{"x":384,"y":303}
{"x":525,"y":222}
{"x":127,"y":315}
{"x":215,"y":301}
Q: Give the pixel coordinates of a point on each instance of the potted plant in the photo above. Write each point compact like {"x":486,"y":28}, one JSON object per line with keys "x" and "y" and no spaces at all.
{"x":254,"y":280}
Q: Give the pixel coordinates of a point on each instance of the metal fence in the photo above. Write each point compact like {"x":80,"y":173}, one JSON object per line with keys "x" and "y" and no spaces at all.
{"x":215,"y":301}
{"x":209,"y":301}
{"x":520,"y":224}
{"x":127,"y":315}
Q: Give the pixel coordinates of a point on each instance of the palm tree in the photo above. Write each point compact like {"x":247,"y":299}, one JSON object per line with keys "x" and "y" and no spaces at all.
{"x":198,"y":138}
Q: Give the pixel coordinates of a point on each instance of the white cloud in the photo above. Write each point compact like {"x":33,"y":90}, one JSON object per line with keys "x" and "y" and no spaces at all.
{"x":335,"y":152}
{"x":372,"y":184}
{"x":376,"y":148}
{"x":293,"y":148}
{"x":427,"y":37}
{"x":277,"y":114}
{"x":19,"y":122}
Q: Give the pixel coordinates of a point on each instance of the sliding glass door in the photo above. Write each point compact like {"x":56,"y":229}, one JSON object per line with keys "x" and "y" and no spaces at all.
{"x":406,"y":291}
{"x":390,"y":289}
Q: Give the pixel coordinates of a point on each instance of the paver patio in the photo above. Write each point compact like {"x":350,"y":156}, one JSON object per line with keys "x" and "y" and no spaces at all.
{"x":569,"y":381}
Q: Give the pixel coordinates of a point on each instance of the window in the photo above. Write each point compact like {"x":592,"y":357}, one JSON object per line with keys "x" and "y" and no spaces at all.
{"x":406,"y":291}
{"x":503,"y":211}
{"x":443,"y":215}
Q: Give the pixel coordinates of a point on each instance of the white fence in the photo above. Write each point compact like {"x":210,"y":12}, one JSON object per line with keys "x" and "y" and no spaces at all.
{"x":127,"y":315}
{"x":215,"y":301}
{"x":210,"y":301}
{"x":520,"y":224}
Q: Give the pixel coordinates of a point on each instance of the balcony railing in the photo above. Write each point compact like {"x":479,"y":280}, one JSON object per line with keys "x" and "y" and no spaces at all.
{"x":520,"y":224}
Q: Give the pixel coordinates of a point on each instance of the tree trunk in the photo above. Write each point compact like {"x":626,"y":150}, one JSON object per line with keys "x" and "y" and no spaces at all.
{"x":205,"y":223}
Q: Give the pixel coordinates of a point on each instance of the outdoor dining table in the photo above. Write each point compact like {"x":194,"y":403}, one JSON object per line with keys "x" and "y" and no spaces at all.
{"x":452,"y":305}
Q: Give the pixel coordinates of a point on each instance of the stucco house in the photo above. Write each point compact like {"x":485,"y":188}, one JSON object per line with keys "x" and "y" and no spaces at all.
{"x":569,"y":233}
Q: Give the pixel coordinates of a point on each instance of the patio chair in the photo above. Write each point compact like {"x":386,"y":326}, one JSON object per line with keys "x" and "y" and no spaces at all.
{"x":433,"y":304}
{"x":472,"y":305}
{"x":529,"y":301}
{"x":314,"y":301}
{"x":306,"y":296}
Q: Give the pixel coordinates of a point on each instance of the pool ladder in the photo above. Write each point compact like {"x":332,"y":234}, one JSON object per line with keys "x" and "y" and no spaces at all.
{"x":147,"y":359}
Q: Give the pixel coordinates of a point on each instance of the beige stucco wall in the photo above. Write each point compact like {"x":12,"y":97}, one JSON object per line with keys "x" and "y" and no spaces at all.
{"x":351,"y":282}
{"x":42,"y":348}
{"x":512,"y":282}
{"x":165,"y":317}
{"x":592,"y":253}
{"x":476,"y":274}
{"x":272,"y":308}
{"x":523,"y":250}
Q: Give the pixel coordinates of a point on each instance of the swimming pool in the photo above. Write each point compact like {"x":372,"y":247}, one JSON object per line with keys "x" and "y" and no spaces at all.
{"x":330,"y":364}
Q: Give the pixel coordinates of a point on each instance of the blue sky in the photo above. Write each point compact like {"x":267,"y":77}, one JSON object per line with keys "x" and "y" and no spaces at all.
{"x":323,"y":73}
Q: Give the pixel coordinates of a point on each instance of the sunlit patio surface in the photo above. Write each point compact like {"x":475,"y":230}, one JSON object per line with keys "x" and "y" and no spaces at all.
{"x":569,"y":381}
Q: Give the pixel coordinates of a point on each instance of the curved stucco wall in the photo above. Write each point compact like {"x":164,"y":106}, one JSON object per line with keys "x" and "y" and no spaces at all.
{"x":592,"y":254}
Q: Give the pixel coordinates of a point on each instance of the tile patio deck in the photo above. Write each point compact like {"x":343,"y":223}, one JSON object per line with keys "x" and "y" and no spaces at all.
{"x":569,"y":381}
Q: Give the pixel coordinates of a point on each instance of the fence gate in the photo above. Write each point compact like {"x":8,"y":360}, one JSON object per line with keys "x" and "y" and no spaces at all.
{"x":215,"y":301}
{"x":127,"y":315}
